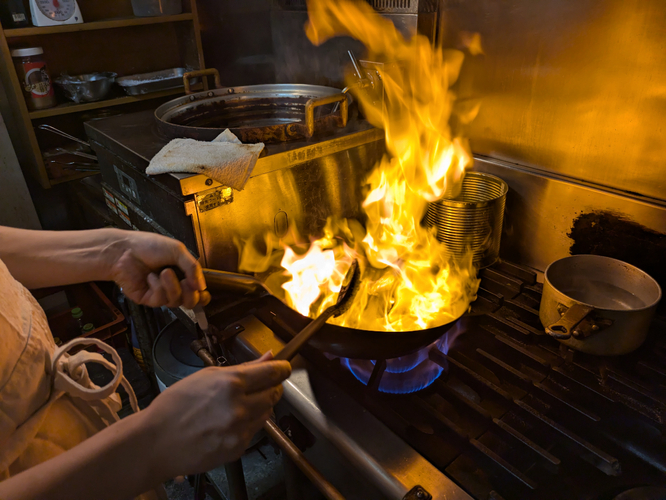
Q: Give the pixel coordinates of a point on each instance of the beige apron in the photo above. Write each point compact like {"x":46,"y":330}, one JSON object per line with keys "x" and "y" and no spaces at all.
{"x":48,"y":404}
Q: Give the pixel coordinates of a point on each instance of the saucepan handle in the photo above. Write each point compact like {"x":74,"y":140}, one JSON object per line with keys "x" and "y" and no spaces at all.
{"x":200,"y":73}
{"x":322,"y":101}
{"x":563,"y":329}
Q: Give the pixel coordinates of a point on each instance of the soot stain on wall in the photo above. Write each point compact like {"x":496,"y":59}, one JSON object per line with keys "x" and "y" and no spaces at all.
{"x":612,"y":235}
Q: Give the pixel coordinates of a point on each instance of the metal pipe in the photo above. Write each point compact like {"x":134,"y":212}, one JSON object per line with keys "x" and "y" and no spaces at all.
{"x":294,"y":479}
{"x":143,"y":336}
{"x":151,"y":323}
{"x":295,"y":455}
{"x":236,"y":480}
{"x":285,"y":444}
{"x":354,"y":62}
{"x":56,"y":131}
{"x":200,"y":486}
{"x":200,"y":350}
{"x":234,"y":470}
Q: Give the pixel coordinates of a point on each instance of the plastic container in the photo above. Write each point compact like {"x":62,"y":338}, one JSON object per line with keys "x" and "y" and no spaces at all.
{"x":150,"y":8}
{"x":34,"y":78}
{"x":13,"y":15}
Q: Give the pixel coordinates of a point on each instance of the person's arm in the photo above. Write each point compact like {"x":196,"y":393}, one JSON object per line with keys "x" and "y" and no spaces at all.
{"x":133,"y":259}
{"x":197,"y":424}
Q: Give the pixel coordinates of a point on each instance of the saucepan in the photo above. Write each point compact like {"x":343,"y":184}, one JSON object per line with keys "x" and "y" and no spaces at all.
{"x":597,"y":304}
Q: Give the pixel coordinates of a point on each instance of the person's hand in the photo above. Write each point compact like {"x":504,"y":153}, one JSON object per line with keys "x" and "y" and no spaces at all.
{"x":140,"y":268}
{"x":209,"y":418}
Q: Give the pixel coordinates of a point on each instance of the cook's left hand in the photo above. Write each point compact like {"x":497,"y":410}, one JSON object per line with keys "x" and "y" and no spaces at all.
{"x":143,"y":273}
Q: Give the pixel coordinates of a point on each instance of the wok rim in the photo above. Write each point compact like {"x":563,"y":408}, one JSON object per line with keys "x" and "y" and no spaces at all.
{"x":416,"y":339}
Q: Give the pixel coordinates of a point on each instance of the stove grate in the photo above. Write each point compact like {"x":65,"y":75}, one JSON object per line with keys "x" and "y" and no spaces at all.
{"x":516,"y":415}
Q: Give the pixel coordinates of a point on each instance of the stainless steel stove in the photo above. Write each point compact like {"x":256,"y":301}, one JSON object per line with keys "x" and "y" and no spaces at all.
{"x":506,"y":411}
{"x":493,"y":410}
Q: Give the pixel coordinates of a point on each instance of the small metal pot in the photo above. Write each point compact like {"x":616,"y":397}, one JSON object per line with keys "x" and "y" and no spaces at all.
{"x":598,"y":305}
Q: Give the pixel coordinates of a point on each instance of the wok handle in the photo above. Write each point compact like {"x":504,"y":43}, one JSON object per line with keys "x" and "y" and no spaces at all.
{"x":200,"y":73}
{"x":302,"y":338}
{"x":322,"y":101}
{"x":564,"y":328}
{"x":234,"y":282}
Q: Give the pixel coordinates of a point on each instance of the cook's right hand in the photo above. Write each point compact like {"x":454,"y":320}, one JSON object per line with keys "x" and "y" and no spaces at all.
{"x":209,"y":418}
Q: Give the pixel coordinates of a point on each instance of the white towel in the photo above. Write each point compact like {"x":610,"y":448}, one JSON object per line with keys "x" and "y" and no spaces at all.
{"x":225,"y":159}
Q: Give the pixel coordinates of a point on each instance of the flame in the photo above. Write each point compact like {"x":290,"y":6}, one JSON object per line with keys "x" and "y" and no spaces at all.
{"x":409,"y":373}
{"x":315,"y":272}
{"x":409,"y":282}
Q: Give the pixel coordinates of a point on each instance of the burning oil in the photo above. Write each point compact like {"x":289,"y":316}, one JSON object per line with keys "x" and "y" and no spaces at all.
{"x":408,"y":281}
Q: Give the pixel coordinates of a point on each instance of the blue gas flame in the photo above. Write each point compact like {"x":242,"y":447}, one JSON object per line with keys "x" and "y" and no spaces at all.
{"x":406,"y":374}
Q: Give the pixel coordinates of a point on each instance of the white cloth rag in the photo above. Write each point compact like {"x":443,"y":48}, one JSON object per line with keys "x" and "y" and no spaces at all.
{"x":225,"y":159}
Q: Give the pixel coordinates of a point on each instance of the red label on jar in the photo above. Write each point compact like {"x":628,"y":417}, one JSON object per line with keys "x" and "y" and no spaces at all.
{"x":37,"y":82}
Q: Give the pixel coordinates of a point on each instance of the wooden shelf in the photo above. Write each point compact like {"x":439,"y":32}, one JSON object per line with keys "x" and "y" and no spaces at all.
{"x":97,"y":25}
{"x":148,"y":44}
{"x":72,"y":107}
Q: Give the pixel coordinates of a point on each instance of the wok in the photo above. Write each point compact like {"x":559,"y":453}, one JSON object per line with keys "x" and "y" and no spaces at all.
{"x":333,"y":339}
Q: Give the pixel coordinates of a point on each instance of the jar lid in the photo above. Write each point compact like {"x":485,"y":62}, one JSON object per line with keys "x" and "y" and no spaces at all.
{"x":77,"y":312}
{"x":32,"y":51}
{"x":88,"y":327}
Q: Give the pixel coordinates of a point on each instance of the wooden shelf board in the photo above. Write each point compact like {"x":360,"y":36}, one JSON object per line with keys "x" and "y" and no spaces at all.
{"x":73,"y":177}
{"x":64,"y":109}
{"x":97,"y":25}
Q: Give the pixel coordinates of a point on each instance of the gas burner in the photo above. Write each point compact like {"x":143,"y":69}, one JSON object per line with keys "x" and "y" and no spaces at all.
{"x":406,"y":374}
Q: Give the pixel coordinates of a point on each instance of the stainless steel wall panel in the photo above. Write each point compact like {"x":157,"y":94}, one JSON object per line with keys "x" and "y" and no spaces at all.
{"x":568,"y":86}
{"x":541,"y":209}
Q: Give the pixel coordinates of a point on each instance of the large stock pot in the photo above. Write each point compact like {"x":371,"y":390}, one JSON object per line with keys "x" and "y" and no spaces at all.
{"x":254,"y":113}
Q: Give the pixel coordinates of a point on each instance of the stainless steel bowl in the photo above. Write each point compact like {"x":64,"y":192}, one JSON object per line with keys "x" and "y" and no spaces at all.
{"x":86,"y":88}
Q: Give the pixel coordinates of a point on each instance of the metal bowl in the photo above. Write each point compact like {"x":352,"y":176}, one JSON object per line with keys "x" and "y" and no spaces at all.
{"x":86,"y":88}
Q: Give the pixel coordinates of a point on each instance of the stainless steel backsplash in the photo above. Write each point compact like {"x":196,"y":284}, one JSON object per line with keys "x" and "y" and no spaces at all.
{"x":574,"y":87}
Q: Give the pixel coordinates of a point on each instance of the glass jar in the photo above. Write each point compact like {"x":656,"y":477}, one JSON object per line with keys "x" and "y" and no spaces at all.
{"x":34,"y":78}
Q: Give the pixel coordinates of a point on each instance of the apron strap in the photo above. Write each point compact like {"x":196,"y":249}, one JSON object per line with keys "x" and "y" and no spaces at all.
{"x":69,"y":374}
